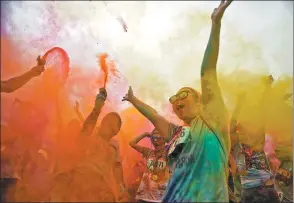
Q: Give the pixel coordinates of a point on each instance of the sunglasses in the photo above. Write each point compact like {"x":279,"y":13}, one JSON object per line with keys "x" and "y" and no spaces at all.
{"x":181,"y":95}
{"x":155,"y":138}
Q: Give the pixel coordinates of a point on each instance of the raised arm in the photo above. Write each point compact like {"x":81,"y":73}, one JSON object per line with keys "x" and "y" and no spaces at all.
{"x":211,"y":95}
{"x":159,"y":122}
{"x":78,"y":112}
{"x":17,"y":82}
{"x":236,"y":112}
{"x":134,"y":144}
{"x":91,"y":120}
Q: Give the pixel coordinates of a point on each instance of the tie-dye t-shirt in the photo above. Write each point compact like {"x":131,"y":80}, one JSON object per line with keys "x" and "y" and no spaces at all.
{"x":256,"y":163}
{"x":284,"y":178}
{"x":198,"y":159}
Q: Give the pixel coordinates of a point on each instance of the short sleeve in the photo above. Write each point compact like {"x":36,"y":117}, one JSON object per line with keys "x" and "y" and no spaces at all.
{"x":172,"y":131}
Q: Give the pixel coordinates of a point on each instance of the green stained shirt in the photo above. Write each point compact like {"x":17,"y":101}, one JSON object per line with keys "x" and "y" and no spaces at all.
{"x":198,"y":159}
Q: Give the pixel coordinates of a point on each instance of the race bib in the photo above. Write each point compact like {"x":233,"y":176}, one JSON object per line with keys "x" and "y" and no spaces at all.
{"x":151,"y":164}
{"x":180,"y":139}
{"x":285,"y":176}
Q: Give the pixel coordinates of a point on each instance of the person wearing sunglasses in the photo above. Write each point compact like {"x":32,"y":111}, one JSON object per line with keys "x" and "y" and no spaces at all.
{"x":198,"y":155}
{"x":155,"y":178}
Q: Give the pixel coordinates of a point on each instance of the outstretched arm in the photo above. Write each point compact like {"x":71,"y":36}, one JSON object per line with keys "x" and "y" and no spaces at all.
{"x":212,"y":100}
{"x":159,"y":122}
{"x":17,"y":82}
{"x":78,"y":112}
{"x":91,"y":120}
{"x":134,"y":144}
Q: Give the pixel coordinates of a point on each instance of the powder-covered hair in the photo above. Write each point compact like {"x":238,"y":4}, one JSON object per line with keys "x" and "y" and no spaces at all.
{"x":115,"y":115}
{"x":195,"y":93}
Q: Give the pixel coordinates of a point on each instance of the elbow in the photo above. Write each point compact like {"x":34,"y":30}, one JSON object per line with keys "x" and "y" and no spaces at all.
{"x":8,"y":90}
{"x":131,"y":143}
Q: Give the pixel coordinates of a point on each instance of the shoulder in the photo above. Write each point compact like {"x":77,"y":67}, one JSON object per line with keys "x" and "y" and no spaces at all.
{"x":114,"y":143}
{"x":219,"y":129}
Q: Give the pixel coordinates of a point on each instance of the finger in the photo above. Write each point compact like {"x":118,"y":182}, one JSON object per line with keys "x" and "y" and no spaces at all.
{"x":228,"y":3}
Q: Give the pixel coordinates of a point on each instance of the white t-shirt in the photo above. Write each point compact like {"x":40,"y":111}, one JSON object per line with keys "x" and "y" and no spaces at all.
{"x":155,"y":178}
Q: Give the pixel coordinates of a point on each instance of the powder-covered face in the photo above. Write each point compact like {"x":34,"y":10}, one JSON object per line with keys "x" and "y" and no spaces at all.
{"x":186,"y":104}
{"x":157,"y":139}
{"x":110,"y":125}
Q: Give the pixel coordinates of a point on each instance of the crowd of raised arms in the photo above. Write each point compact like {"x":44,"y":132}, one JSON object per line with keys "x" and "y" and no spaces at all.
{"x":202,"y":161}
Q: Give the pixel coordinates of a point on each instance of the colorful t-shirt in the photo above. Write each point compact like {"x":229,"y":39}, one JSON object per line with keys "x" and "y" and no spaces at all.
{"x":155,"y":178}
{"x":257,"y":165}
{"x":199,"y":162}
{"x":284,"y":179}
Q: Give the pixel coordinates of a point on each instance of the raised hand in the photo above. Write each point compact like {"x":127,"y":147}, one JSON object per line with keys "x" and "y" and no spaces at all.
{"x":77,"y":106}
{"x":39,"y":68}
{"x":41,"y":61}
{"x":146,"y":134}
{"x":218,"y":12}
{"x":102,"y":95}
{"x":268,"y":81}
{"x":129,"y":95}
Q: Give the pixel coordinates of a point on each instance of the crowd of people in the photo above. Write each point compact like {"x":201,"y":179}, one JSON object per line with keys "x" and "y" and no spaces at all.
{"x":203,"y":160}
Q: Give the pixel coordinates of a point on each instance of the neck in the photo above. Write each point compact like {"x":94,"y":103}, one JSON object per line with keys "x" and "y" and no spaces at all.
{"x":103,"y":137}
{"x":189,"y":120}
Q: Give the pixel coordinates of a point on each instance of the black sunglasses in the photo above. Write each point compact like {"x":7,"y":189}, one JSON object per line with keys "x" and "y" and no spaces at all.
{"x":181,"y":95}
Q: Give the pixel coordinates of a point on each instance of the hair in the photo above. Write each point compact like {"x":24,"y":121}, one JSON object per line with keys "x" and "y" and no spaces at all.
{"x":194,"y":92}
{"x":153,"y":131}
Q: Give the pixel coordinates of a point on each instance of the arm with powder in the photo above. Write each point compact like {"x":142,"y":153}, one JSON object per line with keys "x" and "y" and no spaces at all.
{"x":212,"y":99}
{"x":78,"y":112}
{"x":134,"y":144}
{"x":15,"y":83}
{"x":159,"y":122}
{"x":91,"y":120}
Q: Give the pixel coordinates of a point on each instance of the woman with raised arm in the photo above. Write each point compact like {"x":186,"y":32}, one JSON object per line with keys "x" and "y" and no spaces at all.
{"x":198,"y":156}
{"x":155,"y":178}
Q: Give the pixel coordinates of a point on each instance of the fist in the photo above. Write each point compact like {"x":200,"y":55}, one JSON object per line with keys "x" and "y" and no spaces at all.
{"x":129,"y":95}
{"x":41,"y":61}
{"x":268,"y":80}
{"x":77,"y":106}
{"x":102,"y":93}
{"x":39,"y":68}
